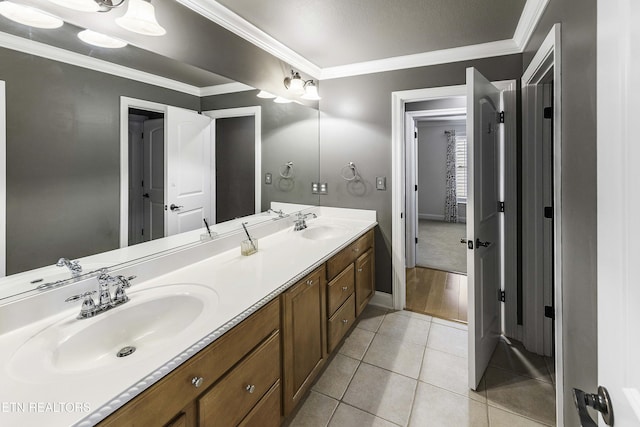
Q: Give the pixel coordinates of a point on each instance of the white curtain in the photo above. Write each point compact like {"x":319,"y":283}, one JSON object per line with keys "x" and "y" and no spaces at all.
{"x":451,"y":199}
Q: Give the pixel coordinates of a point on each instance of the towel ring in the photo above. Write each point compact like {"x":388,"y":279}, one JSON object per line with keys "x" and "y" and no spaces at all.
{"x":350,"y":172}
{"x":286,"y":170}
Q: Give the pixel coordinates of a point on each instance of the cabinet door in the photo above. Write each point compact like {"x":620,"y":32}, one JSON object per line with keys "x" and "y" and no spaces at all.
{"x":365,"y":283}
{"x":304,"y":336}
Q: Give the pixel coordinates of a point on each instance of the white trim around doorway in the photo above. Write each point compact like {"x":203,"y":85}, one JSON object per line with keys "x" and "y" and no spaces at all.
{"x":546,"y":62}
{"x":256,"y":112}
{"x":125,"y":104}
{"x":3,"y":180}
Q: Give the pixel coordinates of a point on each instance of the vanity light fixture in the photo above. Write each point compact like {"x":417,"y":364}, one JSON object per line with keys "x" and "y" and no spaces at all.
{"x":141,"y":18}
{"x":29,"y":16}
{"x":100,"y":40}
{"x":306,"y":89}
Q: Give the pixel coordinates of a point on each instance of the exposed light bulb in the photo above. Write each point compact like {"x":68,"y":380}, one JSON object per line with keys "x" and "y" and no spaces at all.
{"x":311,"y":92}
{"x":100,"y":40}
{"x":29,"y":16}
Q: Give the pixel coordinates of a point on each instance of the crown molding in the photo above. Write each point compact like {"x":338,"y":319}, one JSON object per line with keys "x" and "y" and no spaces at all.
{"x":224,"y":17}
{"x":224,"y":88}
{"x":214,"y":11}
{"x":50,"y":52}
{"x":464,"y":53}
{"x":531,"y":14}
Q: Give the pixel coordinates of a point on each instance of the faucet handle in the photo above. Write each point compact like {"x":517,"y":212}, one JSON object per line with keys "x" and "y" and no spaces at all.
{"x":85,"y":295}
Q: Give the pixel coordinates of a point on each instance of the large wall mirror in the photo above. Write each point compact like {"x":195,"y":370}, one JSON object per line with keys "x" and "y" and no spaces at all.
{"x":64,"y":149}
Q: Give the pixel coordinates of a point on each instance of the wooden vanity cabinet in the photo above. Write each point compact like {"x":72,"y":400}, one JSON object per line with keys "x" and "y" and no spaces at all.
{"x":304,"y":337}
{"x":218,"y":373}
{"x":365,"y":280}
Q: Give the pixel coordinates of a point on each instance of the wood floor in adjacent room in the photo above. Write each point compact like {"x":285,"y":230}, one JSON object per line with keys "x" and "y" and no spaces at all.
{"x":437,"y":293}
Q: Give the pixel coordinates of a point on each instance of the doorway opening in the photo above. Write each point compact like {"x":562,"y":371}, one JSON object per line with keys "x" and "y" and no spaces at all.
{"x":146,"y":175}
{"x":436,"y":188}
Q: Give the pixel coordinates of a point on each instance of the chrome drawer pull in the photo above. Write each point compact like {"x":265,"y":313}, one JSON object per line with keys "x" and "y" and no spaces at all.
{"x":251,"y":388}
{"x":197,"y":381}
{"x":345,"y":321}
{"x":359,"y":270}
{"x":344,"y":288}
{"x":310,"y":282}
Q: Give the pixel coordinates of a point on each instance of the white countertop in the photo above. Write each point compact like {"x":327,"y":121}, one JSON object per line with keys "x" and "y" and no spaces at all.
{"x":31,"y":395}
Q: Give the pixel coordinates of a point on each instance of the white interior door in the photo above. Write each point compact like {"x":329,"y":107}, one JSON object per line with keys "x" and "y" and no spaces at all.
{"x":618,"y":176}
{"x":153,"y":180}
{"x":188,"y":170}
{"x":483,"y":230}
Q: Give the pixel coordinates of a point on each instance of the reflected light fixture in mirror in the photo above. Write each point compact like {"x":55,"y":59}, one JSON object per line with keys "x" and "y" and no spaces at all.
{"x":100,"y":40}
{"x":282,"y":100}
{"x":79,"y":5}
{"x":29,"y":16}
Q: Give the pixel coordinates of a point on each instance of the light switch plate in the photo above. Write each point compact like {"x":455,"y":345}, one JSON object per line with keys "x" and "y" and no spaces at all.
{"x":381,"y":183}
{"x":267,"y":178}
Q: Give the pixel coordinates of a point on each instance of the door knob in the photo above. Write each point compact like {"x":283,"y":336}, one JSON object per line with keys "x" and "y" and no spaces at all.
{"x":174,"y":207}
{"x":601,"y":402}
{"x":480,"y":243}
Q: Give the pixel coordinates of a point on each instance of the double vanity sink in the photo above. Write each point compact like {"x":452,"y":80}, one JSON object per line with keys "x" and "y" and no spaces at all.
{"x":95,"y":365}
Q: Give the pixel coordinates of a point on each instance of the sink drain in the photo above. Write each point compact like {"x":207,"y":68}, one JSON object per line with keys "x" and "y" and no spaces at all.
{"x":125,"y":351}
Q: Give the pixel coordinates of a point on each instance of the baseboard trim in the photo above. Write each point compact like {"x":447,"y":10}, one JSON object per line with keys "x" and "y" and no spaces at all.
{"x":382,"y":299}
{"x":431,"y":217}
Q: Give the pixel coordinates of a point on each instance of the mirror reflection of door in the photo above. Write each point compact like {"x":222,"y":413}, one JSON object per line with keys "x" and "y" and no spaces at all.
{"x":146,"y":172}
{"x":235,"y":167}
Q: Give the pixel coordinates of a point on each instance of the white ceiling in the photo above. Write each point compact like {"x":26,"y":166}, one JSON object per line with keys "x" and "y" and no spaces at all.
{"x":331,"y":33}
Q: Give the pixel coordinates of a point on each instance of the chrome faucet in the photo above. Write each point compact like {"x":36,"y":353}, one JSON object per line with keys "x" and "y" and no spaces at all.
{"x":105,"y":301}
{"x":73,"y":266}
{"x":301,"y":220}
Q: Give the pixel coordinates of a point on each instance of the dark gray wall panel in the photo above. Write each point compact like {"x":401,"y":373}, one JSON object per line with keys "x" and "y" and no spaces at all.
{"x":235,"y":167}
{"x":579,"y":222}
{"x":63,"y":164}
{"x":355,"y":125}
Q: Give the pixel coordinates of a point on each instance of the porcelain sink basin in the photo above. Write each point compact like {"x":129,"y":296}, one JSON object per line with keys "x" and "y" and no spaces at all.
{"x":325,"y":232}
{"x":152,"y":319}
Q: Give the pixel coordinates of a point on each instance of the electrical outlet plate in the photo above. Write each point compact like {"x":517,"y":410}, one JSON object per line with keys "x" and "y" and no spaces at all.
{"x":381,"y":183}
{"x":267,"y":178}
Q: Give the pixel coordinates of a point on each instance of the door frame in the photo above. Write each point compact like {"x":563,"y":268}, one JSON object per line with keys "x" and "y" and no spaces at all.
{"x":412,"y":173}
{"x":125,"y":104}
{"x":398,"y":198}
{"x":546,"y":60}
{"x":3,"y":179}
{"x":256,"y":112}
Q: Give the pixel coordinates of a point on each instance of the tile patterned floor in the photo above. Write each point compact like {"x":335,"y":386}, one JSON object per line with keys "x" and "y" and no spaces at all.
{"x":408,"y":369}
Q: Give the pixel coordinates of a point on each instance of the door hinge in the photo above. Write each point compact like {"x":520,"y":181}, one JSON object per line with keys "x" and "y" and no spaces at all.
{"x":415,"y":135}
{"x":548,"y":112}
{"x":500,"y":117}
{"x":416,"y":188}
{"x":500,"y":206}
{"x":401,"y":215}
{"x":501,"y":296}
{"x":548,"y":212}
{"x":416,"y":240}
{"x":548,"y":312}
{"x":142,"y":232}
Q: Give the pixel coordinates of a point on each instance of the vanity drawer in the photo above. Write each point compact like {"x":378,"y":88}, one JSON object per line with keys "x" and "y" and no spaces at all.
{"x":163,"y":401}
{"x":349,"y":254}
{"x":227,"y":403}
{"x":267,"y":412}
{"x":339,"y":289}
{"x":340,"y":323}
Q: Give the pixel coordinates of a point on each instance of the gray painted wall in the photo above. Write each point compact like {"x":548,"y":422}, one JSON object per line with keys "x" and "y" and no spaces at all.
{"x":579,"y":250}
{"x":355,"y":125}
{"x":432,"y":169}
{"x":289,"y":133}
{"x":63,"y":164}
